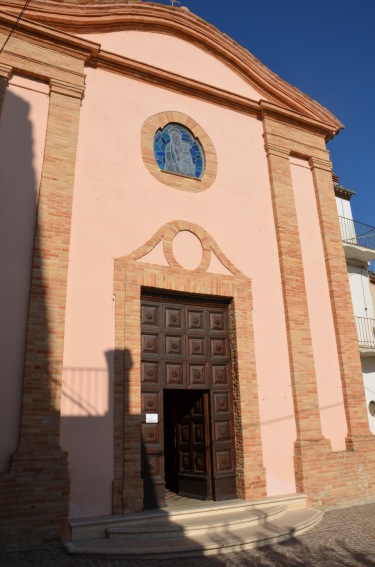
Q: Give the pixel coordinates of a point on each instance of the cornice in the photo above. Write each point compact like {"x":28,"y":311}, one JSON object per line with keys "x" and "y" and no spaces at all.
{"x":343,"y":192}
{"x":269,"y":109}
{"x":166,"y":79}
{"x":94,"y":18}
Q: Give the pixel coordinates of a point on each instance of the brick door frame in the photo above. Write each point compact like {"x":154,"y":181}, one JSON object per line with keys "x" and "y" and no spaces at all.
{"x":130,"y":276}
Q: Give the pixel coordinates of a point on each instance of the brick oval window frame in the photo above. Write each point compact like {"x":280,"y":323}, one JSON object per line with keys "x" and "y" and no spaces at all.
{"x":175,"y":180}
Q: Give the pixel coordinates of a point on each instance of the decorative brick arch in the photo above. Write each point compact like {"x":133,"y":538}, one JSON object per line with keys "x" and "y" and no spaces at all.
{"x":131,"y":275}
{"x":175,"y":180}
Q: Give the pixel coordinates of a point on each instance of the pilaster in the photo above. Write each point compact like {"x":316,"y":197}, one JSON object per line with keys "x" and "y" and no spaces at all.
{"x":301,"y":360}
{"x":342,"y":309}
{"x":39,"y":476}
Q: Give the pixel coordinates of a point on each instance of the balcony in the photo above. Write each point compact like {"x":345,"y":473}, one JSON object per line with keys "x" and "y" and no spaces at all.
{"x":366,"y":335}
{"x":358,"y":240}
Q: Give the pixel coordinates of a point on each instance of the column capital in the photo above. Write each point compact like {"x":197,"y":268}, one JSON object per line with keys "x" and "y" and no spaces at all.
{"x":5,"y":71}
{"x":319,"y":163}
{"x":67,"y":89}
{"x":274,"y":149}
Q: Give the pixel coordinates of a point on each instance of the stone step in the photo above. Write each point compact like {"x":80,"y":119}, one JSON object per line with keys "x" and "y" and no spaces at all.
{"x":275,"y":530}
{"x":199,"y":523}
{"x":96,"y":527}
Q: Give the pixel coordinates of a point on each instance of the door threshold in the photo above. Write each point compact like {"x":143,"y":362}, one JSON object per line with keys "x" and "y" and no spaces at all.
{"x":173,"y":500}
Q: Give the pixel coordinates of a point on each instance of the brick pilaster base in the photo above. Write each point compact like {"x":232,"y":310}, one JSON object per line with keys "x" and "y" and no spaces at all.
{"x":37,"y":485}
{"x":336,"y":478}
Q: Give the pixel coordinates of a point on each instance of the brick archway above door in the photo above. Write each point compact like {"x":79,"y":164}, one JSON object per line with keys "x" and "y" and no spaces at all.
{"x":134,"y":273}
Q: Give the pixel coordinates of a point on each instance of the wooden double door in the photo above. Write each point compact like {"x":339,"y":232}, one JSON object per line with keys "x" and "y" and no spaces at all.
{"x":187,"y":412}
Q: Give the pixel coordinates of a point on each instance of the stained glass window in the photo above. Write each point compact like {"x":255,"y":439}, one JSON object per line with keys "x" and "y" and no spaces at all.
{"x":177,"y":151}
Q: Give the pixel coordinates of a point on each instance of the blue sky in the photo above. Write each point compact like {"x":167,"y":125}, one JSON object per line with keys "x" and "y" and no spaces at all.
{"x":326,"y":48}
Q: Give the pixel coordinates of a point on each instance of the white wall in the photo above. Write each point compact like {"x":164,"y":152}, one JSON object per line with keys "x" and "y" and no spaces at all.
{"x":343,"y":208}
{"x":363,"y":304}
{"x":368,"y":368}
{"x":345,"y":217}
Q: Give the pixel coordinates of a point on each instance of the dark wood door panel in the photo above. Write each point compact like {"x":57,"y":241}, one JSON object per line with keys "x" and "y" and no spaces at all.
{"x":150,"y":374}
{"x":185,"y":351}
{"x":174,"y":347}
{"x":175,"y":374}
{"x":198,"y":376}
{"x":196,"y":320}
{"x":194,"y":479}
{"x":150,"y":344}
{"x":218,"y":321}
{"x":150,"y":402}
{"x":174,"y":317}
{"x":150,"y":314}
{"x":220,"y":376}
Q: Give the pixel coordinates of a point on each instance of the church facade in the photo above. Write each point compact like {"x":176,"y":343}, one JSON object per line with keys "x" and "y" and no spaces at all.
{"x":177,"y":312}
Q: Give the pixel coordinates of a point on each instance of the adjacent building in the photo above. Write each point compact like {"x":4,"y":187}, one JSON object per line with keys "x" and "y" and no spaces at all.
{"x":359,"y":246}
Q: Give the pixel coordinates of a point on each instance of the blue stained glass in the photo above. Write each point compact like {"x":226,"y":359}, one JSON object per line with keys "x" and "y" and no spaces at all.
{"x":176,"y":150}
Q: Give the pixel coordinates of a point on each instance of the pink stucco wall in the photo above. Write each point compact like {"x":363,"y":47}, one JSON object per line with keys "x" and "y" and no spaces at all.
{"x":22,"y":134}
{"x":177,"y":56}
{"x":117,"y":206}
{"x":331,"y":401}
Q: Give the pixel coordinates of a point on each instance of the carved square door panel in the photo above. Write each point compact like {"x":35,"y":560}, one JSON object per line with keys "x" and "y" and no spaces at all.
{"x":219,"y":347}
{"x":198,"y":376}
{"x":150,"y":402}
{"x":174,"y":318}
{"x":218,"y":321}
{"x":150,"y":344}
{"x":150,"y":434}
{"x":175,"y":375}
{"x":219,"y":376}
{"x":150,"y":315}
{"x":221,"y":402}
{"x":197,"y":347}
{"x":174,"y":346}
{"x":150,"y":374}
{"x":196,"y":320}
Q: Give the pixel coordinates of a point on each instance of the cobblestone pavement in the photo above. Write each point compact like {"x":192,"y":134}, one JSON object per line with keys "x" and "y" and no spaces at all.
{"x":344,"y":538}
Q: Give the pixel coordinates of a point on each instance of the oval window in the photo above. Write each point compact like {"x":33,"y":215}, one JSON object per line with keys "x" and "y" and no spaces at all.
{"x":177,"y":151}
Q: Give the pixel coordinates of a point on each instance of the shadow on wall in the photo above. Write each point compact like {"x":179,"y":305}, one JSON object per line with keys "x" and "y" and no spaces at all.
{"x":91,"y":433}
{"x":87,"y":434}
{"x":18,"y":197}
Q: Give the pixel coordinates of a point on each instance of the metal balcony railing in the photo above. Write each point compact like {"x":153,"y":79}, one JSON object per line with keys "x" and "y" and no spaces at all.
{"x":357,"y":233}
{"x":365,"y":332}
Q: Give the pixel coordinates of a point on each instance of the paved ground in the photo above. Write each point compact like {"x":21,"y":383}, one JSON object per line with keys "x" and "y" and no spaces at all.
{"x":344,"y":538}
